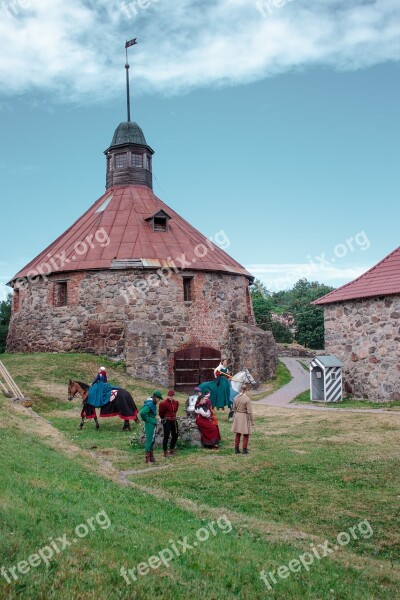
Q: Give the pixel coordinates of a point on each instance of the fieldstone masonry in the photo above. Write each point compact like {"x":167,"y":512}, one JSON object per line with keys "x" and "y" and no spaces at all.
{"x":117,"y":314}
{"x":365,"y":335}
{"x":253,"y":348}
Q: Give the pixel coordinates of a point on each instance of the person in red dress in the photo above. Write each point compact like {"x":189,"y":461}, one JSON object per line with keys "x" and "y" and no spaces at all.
{"x":207,"y":423}
{"x":167,"y":411}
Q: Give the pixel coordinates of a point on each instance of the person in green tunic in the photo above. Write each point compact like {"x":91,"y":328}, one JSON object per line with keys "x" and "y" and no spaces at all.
{"x":222,"y":386}
{"x":148,"y":414}
{"x":220,"y":389}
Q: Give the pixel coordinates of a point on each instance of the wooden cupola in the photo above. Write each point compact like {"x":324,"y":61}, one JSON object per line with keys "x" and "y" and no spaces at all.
{"x":129,"y":157}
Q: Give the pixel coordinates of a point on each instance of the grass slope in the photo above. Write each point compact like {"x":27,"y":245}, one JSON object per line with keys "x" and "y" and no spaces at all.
{"x":309,"y":477}
{"x":305,"y":398}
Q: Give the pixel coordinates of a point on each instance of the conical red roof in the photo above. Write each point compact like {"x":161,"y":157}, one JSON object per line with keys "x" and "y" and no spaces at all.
{"x":123,"y":213}
{"x":382,"y":280}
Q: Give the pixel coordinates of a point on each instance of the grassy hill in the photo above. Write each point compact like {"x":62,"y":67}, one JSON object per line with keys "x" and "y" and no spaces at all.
{"x":309,"y":477}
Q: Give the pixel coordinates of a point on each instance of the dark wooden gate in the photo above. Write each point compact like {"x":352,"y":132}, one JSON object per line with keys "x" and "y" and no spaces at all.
{"x":194,"y":366}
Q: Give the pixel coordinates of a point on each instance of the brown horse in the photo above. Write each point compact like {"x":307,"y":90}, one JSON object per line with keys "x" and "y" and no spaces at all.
{"x":122,"y":405}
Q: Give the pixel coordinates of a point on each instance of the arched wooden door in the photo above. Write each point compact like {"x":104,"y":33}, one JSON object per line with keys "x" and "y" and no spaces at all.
{"x":194,"y":366}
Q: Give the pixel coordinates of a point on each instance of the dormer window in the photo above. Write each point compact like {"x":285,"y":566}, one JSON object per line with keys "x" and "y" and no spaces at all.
{"x":159,"y":221}
{"x":137,"y":160}
{"x":121,"y":160}
{"x":160,"y":224}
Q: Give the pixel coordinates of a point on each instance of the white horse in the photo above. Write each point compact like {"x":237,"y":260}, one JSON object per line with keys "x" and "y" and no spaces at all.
{"x":242,"y":377}
{"x":237,"y":382}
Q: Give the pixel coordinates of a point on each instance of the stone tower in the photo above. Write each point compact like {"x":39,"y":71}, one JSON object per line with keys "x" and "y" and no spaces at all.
{"x":131,"y":279}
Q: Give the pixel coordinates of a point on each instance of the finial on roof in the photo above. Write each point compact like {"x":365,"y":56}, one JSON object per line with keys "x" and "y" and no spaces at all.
{"x":128,"y":44}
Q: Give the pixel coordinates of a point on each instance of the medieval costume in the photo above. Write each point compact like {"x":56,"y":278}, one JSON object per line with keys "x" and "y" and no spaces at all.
{"x":168,"y":410}
{"x":223,"y":387}
{"x":207,"y":423}
{"x":220,"y":389}
{"x":242,"y":422}
{"x":101,"y":376}
{"x":148,"y":414}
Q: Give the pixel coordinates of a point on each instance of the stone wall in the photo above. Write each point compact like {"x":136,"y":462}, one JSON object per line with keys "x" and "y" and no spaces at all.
{"x":297,"y":351}
{"x":118,"y":314}
{"x":253,"y":348}
{"x":365,"y":335}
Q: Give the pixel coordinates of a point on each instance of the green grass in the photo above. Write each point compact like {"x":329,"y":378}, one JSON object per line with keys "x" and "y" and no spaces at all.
{"x":305,"y":398}
{"x":282,"y":377}
{"x":309,"y":476}
{"x":305,"y":366}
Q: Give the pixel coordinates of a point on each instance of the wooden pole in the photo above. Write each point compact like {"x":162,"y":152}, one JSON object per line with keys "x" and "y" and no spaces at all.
{"x":3,"y":387}
{"x":10,"y":381}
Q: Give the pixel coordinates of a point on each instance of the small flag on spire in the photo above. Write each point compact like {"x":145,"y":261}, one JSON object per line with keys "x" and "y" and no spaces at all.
{"x":131,"y":43}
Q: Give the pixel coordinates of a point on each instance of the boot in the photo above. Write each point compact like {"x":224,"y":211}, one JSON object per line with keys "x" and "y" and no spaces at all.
{"x":148,"y":457}
{"x":166,"y":454}
{"x":245,"y":451}
{"x":237,"y":451}
{"x":172,"y":452}
{"x":152,"y":459}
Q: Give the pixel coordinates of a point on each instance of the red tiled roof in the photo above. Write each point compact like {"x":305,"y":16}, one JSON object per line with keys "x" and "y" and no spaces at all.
{"x":131,"y":237}
{"x":381,"y":280}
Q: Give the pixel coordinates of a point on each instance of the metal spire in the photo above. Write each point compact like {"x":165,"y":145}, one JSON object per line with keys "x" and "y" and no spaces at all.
{"x":127,"y":67}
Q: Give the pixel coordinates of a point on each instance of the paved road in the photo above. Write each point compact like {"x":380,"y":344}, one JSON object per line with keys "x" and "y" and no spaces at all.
{"x":299,"y":383}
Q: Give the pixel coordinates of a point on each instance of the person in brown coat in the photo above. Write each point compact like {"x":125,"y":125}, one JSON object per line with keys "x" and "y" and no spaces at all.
{"x":243,"y":421}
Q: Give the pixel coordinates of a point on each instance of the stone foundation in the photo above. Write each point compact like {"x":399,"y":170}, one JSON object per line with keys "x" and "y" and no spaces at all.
{"x":365,"y":335}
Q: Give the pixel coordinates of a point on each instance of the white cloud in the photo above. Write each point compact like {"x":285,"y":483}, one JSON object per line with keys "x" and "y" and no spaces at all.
{"x":74,"y":49}
{"x":283,"y":276}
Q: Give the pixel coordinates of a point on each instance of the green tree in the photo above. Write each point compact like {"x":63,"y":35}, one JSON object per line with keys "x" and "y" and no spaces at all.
{"x":309,"y":319}
{"x":261,"y":305}
{"x":310,"y":331}
{"x":282,"y":334}
{"x":5,"y":315}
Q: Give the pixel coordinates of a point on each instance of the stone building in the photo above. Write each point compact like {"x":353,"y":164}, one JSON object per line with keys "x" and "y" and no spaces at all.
{"x":362,"y":328}
{"x":131,"y":279}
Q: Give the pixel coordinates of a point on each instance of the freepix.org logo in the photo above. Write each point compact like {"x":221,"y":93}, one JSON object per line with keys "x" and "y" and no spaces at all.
{"x":55,"y":546}
{"x":317,"y":553}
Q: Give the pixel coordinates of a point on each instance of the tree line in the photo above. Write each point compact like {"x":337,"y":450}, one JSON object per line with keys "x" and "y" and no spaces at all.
{"x":308,"y":329}
{"x":5,"y":315}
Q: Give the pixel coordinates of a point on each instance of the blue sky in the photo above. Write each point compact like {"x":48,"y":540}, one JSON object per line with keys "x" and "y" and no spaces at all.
{"x":278,"y":124}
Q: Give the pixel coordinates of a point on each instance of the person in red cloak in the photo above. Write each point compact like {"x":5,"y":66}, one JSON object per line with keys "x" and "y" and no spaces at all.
{"x":207,"y":423}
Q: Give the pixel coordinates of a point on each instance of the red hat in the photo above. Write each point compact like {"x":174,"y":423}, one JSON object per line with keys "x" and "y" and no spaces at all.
{"x":171,"y":393}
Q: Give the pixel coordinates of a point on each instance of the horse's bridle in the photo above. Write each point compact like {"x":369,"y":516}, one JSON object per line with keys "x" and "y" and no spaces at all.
{"x":70,"y":395}
{"x":249,"y":378}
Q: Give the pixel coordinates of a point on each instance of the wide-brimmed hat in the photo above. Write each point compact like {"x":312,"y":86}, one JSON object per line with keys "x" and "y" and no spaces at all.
{"x":157,"y":394}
